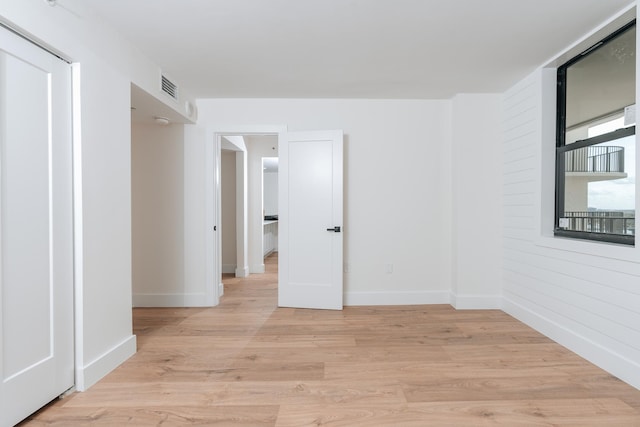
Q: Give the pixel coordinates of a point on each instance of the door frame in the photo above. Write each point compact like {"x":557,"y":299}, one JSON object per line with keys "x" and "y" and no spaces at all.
{"x":213,"y":239}
{"x":229,"y":143}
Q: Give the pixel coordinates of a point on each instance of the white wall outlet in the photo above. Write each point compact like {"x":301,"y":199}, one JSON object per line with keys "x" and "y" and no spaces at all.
{"x":388,"y":268}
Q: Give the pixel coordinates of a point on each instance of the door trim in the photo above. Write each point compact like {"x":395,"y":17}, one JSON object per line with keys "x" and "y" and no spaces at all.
{"x":26,"y":37}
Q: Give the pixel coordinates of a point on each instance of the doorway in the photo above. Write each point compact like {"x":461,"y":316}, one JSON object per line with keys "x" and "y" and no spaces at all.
{"x":231,"y":214}
{"x":313,"y":154}
{"x":245,"y":237}
{"x":270,"y":205}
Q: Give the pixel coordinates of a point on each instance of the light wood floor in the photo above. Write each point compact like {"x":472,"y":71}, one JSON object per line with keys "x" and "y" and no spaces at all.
{"x":248,"y":363}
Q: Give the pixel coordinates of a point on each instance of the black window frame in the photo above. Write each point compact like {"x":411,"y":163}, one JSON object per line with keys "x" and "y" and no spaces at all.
{"x":562,"y":148}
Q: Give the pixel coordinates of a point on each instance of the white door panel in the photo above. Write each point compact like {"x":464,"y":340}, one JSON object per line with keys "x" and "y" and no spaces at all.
{"x":25,"y":216}
{"x":310,"y":189}
{"x":36,"y":252}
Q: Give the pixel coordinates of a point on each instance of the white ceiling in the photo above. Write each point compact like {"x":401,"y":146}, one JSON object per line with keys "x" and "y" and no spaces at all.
{"x":351,"y":48}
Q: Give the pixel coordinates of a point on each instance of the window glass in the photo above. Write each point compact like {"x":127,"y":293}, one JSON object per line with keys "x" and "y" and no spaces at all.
{"x":595,"y":162}
{"x":600,"y":84}
{"x":599,"y":188}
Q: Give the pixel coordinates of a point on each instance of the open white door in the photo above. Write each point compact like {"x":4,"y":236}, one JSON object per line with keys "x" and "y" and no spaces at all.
{"x":36,"y":246}
{"x":310,"y":220}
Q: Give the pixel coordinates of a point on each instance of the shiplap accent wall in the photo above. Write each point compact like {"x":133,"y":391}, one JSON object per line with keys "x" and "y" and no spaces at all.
{"x":588,"y":302}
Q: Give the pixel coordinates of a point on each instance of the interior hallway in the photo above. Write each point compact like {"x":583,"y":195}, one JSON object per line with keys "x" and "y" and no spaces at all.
{"x":248,"y":363}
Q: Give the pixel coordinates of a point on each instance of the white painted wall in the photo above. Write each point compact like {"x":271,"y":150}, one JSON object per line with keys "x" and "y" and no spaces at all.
{"x":584,"y":295}
{"x":157,"y":187}
{"x":228,"y":211}
{"x":397,"y":181}
{"x":198,"y":289}
{"x":258,"y":146}
{"x":270,"y":193}
{"x":103,"y":260}
{"x":477,"y":201}
{"x":105,"y":67}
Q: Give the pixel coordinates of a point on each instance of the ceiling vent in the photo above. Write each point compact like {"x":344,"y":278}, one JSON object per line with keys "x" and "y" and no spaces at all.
{"x":170,"y":88}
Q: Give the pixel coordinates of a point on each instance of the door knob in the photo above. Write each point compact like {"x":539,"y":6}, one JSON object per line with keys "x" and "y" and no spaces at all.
{"x":335,"y":229}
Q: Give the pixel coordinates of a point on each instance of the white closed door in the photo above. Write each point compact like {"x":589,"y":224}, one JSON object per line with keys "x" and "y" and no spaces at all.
{"x":310,"y":220}
{"x":36,"y":250}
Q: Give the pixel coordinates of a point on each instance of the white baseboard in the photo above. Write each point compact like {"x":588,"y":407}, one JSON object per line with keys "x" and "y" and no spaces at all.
{"x":170,"y":300}
{"x":257,"y":269}
{"x":476,"y":302}
{"x":233,"y":269}
{"x":228,"y":268}
{"x":94,"y":371}
{"x":617,"y":365}
{"x":242,"y":272}
{"x":396,"y":298}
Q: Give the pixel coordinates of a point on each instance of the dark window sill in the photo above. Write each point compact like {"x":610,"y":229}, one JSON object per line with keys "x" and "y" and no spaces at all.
{"x":597,"y":237}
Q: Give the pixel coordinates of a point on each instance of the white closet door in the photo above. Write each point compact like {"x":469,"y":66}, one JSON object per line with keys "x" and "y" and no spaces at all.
{"x":36,"y":246}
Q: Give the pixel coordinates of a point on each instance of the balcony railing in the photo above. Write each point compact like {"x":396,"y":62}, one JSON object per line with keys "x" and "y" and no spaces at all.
{"x":595,"y":159}
{"x":601,"y":222}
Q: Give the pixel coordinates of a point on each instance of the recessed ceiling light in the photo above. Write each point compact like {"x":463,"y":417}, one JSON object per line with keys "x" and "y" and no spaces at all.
{"x":161,"y":120}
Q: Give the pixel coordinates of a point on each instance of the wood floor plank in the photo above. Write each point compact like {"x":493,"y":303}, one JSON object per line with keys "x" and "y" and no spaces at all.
{"x":190,"y":343}
{"x":355,"y":355}
{"x":206,"y":330}
{"x":301,"y":341}
{"x":248,"y":393}
{"x":512,"y":353}
{"x":407,"y":372}
{"x":557,"y":412}
{"x":249,"y":363}
{"x":498,"y":388}
{"x":274,"y":371}
{"x":237,"y":416}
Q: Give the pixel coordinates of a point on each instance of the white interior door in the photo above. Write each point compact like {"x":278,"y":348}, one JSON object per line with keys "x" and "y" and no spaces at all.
{"x":310,"y":220}
{"x":36,"y":251}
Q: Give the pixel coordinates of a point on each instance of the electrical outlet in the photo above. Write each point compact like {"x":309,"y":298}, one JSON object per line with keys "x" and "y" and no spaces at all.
{"x":388,"y":268}
{"x":347,"y":267}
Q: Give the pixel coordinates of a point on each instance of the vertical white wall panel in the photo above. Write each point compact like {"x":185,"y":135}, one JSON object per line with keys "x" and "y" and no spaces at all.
{"x":476,"y":194}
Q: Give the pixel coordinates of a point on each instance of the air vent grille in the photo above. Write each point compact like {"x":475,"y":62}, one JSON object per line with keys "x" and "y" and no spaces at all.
{"x":169,"y":88}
